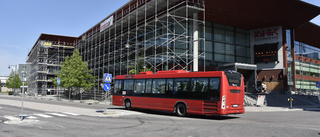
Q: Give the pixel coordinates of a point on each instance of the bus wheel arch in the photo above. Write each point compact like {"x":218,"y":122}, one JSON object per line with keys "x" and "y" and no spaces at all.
{"x":127,"y":103}
{"x":181,"y":109}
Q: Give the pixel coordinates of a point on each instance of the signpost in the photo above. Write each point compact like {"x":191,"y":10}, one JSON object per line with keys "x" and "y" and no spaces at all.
{"x":58,"y":83}
{"x":23,"y":81}
{"x":106,"y":87}
{"x":318,"y":86}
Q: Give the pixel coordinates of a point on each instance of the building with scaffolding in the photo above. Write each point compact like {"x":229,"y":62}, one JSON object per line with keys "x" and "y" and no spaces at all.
{"x":197,"y":35}
{"x":45,"y":58}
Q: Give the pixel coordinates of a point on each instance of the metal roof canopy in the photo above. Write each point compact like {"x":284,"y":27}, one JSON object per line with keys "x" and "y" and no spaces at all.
{"x":309,"y":34}
{"x":253,"y":14}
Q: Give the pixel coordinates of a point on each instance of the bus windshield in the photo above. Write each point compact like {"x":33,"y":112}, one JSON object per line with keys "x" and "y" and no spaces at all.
{"x":234,"y":78}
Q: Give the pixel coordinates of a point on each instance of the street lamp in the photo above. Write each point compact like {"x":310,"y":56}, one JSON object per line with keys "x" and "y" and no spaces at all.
{"x":15,"y":72}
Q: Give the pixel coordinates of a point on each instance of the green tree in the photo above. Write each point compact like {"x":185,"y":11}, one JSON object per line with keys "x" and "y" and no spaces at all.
{"x":139,"y":64}
{"x":74,"y":73}
{"x":12,"y":79}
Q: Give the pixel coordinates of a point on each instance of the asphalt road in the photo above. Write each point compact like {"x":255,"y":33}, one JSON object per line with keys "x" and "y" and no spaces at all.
{"x":152,"y":123}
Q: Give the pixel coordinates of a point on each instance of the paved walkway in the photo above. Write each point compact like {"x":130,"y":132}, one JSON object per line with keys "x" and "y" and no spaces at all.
{"x":117,"y":112}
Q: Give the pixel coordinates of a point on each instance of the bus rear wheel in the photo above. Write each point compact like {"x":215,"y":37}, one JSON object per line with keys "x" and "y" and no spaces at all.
{"x":181,"y":110}
{"x":127,"y":104}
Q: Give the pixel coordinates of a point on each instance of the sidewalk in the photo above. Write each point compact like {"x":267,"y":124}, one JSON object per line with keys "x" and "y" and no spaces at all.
{"x":115,"y":112}
{"x":279,"y":109}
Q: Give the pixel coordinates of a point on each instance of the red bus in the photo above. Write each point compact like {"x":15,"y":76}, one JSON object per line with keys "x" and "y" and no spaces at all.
{"x":182,"y":92}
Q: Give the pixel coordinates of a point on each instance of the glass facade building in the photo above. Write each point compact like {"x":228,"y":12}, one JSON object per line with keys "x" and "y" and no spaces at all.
{"x":302,"y":78}
{"x":161,"y":35}
{"x":203,"y":35}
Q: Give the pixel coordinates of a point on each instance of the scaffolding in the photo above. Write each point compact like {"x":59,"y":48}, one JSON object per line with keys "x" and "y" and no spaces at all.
{"x":162,"y":34}
{"x":45,"y":58}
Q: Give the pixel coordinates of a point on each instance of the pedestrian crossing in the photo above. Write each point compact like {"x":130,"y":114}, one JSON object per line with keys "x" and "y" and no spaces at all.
{"x":42,"y":115}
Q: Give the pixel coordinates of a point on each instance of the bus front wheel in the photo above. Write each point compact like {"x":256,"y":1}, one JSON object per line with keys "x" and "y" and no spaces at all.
{"x":181,"y":110}
{"x":127,"y":104}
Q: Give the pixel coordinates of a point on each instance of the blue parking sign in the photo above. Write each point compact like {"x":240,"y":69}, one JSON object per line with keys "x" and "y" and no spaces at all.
{"x":58,"y":81}
{"x":107,"y":78}
{"x":106,"y":86}
{"x":318,"y":85}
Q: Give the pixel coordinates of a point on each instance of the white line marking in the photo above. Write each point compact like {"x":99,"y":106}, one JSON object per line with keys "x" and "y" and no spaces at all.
{"x":30,"y":117}
{"x":69,"y":113}
{"x":12,"y":118}
{"x":43,"y":115}
{"x":56,"y":114}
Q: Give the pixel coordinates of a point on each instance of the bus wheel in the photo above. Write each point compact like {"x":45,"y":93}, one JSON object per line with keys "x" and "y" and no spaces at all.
{"x":127,"y":104}
{"x":181,"y":110}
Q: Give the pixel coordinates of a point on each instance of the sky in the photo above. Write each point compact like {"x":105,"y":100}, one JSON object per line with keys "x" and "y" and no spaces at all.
{"x":23,"y":21}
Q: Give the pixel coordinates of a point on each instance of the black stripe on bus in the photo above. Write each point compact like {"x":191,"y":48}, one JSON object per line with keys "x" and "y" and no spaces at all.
{"x":235,"y":91}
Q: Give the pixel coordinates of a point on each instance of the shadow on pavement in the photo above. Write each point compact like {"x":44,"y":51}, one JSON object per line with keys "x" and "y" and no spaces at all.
{"x":165,"y":113}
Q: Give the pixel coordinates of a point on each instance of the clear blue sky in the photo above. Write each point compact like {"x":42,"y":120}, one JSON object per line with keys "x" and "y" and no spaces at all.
{"x":22,"y":22}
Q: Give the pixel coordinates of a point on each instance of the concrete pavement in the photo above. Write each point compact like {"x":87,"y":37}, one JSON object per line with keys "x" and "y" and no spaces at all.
{"x":115,"y":112}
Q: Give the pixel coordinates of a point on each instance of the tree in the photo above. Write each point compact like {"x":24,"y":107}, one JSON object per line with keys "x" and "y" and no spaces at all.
{"x":13,"y":81}
{"x":140,"y":64}
{"x":74,"y":73}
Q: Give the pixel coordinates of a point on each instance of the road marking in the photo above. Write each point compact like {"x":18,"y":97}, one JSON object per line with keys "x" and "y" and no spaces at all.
{"x":30,"y":117}
{"x":69,"y":113}
{"x":43,"y":115}
{"x":12,"y":118}
{"x":56,"y":114}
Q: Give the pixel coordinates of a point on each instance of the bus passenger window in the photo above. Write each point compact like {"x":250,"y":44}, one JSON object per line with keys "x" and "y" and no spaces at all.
{"x":200,"y":85}
{"x":139,"y":86}
{"x":214,"y":89}
{"x":159,"y":86}
{"x":169,"y":84}
{"x":181,"y":87}
{"x":148,"y":87}
{"x":128,"y":86}
{"x":117,"y":87}
{"x":199,"y":88}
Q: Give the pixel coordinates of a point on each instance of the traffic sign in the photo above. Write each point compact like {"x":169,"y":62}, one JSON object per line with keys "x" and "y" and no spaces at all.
{"x":106,"y":87}
{"x":58,"y":81}
{"x":107,"y":78}
{"x":318,"y":85}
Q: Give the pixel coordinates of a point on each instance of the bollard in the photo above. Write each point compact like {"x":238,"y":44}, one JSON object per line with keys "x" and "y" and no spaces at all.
{"x":290,"y":100}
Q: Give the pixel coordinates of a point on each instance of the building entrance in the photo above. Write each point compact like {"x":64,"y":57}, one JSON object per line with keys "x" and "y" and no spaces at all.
{"x":249,"y":72}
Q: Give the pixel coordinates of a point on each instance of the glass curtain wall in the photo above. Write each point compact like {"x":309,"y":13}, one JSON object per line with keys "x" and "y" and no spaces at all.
{"x":307,"y":67}
{"x":226,"y":44}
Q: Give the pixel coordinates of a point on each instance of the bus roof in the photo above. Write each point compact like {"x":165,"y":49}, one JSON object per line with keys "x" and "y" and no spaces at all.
{"x":172,"y":74}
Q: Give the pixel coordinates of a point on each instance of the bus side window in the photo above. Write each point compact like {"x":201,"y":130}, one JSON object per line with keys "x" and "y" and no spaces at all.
{"x":148,"y":87}
{"x":128,"y":87}
{"x":214,"y":89}
{"x":181,"y":87}
{"x":117,"y":87}
{"x":199,"y":88}
{"x":169,"y":88}
{"x":139,"y":87}
{"x":158,"y":86}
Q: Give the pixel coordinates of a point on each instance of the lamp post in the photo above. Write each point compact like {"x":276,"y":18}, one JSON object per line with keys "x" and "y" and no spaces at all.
{"x":15,"y":72}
